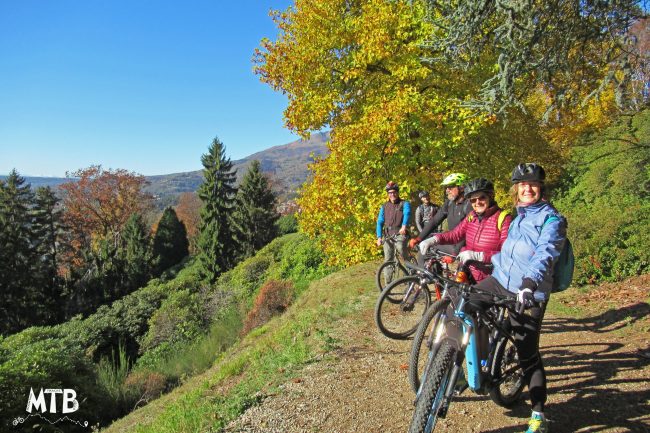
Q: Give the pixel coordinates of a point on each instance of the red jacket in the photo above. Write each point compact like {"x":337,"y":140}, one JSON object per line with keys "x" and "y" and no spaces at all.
{"x":480,"y":234}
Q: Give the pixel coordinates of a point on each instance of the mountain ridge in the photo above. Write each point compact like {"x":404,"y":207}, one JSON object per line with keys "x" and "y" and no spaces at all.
{"x":286,"y":165}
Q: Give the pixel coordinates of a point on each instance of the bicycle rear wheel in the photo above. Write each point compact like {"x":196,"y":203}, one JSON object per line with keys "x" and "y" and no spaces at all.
{"x":400,"y":307}
{"x":423,"y":342}
{"x":388,"y":272}
{"x":506,"y":369}
{"x":433,"y":390}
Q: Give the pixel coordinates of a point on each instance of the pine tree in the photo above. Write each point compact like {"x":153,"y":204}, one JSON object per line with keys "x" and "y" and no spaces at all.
{"x":170,"y":244}
{"x":254,"y":216}
{"x":217,"y":245}
{"x":16,"y":254}
{"x":47,"y":230}
{"x":136,"y":252}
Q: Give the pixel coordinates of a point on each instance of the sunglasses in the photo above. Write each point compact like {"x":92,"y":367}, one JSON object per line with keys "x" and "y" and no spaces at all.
{"x":479,"y":198}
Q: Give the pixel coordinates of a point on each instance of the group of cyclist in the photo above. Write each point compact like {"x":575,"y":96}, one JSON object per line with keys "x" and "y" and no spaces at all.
{"x":506,"y":255}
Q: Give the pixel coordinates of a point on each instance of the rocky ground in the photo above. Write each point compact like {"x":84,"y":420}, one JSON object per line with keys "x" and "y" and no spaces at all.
{"x":598,"y":369}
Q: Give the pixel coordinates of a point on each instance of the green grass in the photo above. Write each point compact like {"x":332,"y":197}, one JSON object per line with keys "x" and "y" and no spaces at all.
{"x":264,"y":359}
{"x":199,"y":355}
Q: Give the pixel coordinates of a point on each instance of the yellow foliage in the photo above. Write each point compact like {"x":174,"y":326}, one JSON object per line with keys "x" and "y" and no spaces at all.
{"x":356,"y":67}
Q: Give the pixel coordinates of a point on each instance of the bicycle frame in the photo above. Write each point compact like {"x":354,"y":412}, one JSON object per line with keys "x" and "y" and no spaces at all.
{"x":460,"y":330}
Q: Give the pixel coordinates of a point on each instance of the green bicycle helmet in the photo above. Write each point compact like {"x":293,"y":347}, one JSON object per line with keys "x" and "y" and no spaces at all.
{"x":454,"y":179}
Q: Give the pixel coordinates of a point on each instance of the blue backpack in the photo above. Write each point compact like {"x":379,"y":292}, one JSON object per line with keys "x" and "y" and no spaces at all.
{"x":563,"y":269}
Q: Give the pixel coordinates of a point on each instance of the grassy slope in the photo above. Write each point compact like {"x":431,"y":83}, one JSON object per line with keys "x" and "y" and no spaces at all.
{"x":267,"y":357}
{"x":274,"y":353}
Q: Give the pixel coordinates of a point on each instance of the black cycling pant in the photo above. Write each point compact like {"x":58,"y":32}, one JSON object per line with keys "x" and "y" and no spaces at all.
{"x":526,"y":328}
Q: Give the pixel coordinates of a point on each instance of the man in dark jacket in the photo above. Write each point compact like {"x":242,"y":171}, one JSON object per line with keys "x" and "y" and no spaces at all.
{"x":425,"y":212}
{"x":454,"y":210}
{"x":392,"y":223}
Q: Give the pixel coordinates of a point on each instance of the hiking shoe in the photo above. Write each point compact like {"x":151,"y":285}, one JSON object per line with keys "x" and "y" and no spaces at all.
{"x":537,"y":424}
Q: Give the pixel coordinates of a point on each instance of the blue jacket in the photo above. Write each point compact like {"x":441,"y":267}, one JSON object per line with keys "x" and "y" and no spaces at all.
{"x":534,"y":243}
{"x":406,"y":211}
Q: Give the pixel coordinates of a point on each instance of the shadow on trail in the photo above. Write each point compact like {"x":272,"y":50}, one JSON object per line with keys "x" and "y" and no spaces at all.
{"x":607,"y":387}
{"x":608,"y":321}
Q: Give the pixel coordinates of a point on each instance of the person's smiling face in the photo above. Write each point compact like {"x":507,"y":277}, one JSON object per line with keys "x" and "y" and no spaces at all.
{"x":480,"y":202}
{"x":529,"y":192}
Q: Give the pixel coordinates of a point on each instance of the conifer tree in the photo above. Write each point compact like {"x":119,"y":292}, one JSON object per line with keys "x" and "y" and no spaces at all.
{"x":217,"y":245}
{"x":170,"y":244}
{"x":47,"y":230}
{"x":16,"y":254}
{"x":136,"y":252}
{"x":254,"y":216}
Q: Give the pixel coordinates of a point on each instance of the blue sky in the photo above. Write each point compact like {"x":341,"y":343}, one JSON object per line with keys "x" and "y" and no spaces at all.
{"x":141,"y":85}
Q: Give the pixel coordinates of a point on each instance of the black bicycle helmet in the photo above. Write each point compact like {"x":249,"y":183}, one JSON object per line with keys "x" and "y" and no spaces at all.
{"x":423,"y":193}
{"x":478,"y":185}
{"x":392,"y":186}
{"x":528,"y":172}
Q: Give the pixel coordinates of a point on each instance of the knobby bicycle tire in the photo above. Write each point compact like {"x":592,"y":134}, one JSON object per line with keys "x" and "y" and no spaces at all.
{"x":398,"y":310}
{"x":398,"y":271}
{"x":506,"y":394}
{"x":433,"y":389}
{"x":420,"y":347}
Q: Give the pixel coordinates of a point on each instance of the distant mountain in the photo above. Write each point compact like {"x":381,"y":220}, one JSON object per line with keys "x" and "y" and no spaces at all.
{"x":286,"y":165}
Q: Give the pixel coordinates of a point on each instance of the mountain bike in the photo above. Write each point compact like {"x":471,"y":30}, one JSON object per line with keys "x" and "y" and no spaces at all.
{"x":392,"y":270}
{"x":437,"y":311}
{"x":484,"y":341}
{"x":402,"y":303}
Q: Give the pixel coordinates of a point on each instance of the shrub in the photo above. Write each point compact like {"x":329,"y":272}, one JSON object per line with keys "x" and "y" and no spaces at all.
{"x":302,"y":262}
{"x":125,"y":321}
{"x":273,"y":299}
{"x":606,"y":199}
{"x":248,"y":276}
{"x":111,"y":377}
{"x":38,"y":359}
{"x":180,"y":359}
{"x":146,"y":385}
{"x":180,"y":318}
{"x":286,"y":224}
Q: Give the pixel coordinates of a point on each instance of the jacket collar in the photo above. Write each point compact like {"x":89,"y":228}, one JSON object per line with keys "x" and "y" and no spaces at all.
{"x":488,"y":212}
{"x":533,"y":208}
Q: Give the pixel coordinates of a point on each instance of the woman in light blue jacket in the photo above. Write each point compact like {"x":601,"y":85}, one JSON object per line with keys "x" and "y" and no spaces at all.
{"x":524,"y":267}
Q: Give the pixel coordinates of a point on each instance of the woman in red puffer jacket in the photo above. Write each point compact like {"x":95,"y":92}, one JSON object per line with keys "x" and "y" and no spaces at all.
{"x":485,"y":229}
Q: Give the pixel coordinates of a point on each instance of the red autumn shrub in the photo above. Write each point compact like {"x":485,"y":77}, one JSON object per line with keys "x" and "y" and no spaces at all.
{"x":273,"y":299}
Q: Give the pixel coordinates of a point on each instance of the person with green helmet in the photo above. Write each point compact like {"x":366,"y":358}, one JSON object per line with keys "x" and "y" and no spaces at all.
{"x":454,"y":210}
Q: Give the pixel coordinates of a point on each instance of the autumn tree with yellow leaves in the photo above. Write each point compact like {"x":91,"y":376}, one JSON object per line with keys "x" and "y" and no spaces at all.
{"x":356,"y":67}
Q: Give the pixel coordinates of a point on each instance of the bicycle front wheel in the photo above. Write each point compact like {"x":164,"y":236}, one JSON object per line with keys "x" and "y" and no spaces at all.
{"x":388,"y":272}
{"x":423,"y":342}
{"x":433,"y":390}
{"x":400,"y":307}
{"x":507,"y":372}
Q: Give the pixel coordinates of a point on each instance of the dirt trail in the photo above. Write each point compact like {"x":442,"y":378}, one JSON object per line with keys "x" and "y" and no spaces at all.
{"x":598,"y":377}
